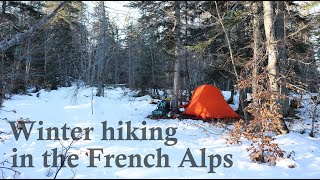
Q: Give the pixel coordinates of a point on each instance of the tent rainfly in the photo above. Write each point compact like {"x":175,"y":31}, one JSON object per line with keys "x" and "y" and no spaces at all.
{"x":207,"y":101}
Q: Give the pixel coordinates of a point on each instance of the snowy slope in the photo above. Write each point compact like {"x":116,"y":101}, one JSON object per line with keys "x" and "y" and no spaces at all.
{"x":62,"y":107}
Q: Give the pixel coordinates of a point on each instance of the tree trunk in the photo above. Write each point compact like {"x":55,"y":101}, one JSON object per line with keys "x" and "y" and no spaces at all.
{"x":130,"y":76}
{"x":280,"y":36}
{"x":231,"y":88}
{"x":271,"y":48}
{"x":256,"y":48}
{"x":45,"y":60}
{"x":176,"y":78}
{"x":153,"y":79}
{"x":243,"y":104}
{"x":188,"y":79}
{"x":2,"y":79}
{"x":272,"y":60}
{"x":4,"y":6}
{"x":28,"y":63}
{"x":116,"y":77}
{"x":103,"y":48}
{"x":314,"y":113}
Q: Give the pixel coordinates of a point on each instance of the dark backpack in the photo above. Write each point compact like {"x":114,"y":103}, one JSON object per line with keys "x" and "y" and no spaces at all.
{"x":162,"y":109}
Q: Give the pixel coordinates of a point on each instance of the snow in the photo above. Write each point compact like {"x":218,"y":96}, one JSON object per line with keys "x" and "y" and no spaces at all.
{"x":64,"y":107}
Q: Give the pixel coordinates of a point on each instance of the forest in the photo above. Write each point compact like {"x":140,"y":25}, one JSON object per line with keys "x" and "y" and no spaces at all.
{"x":232,"y":45}
{"x":222,"y":43}
{"x":265,"y":53}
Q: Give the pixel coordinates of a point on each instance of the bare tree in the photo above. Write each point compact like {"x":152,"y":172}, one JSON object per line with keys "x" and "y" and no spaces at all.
{"x":242,"y":93}
{"x":65,"y":152}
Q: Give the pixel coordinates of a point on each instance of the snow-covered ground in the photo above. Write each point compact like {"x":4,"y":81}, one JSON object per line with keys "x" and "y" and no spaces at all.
{"x":180,"y":140}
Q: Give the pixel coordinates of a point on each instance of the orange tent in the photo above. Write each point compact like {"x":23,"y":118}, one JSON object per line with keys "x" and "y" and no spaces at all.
{"x":208,"y":102}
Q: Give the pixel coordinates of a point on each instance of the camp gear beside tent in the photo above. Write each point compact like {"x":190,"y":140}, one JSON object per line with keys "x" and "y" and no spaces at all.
{"x":163,"y":108}
{"x":208,"y":102}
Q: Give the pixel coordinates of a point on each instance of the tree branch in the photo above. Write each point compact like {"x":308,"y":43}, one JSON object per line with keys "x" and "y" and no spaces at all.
{"x":294,"y":33}
{"x":4,"y":45}
{"x":2,"y":167}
